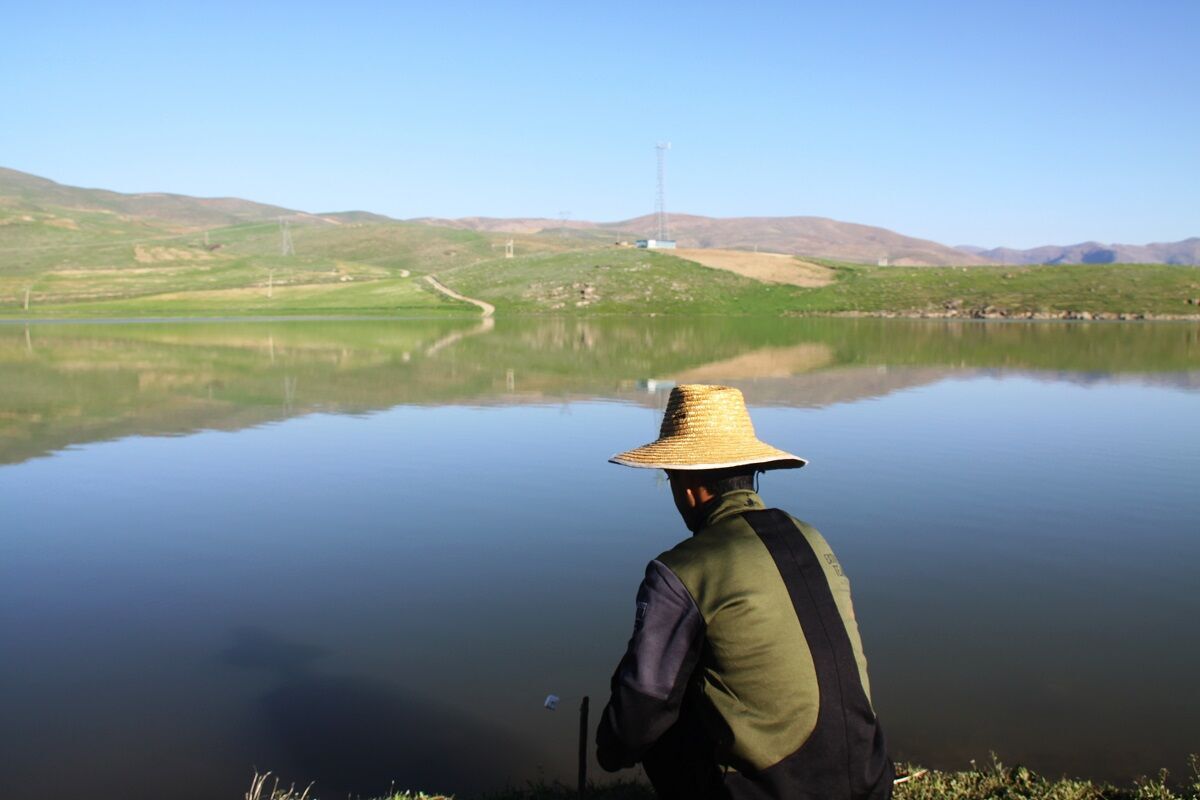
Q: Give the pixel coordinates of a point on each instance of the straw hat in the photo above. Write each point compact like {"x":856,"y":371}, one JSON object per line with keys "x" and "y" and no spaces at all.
{"x":706,"y":427}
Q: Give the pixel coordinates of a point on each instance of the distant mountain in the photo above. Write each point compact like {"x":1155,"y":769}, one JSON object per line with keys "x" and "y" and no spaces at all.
{"x":21,"y":192}
{"x":354,"y":217}
{"x":809,"y":236}
{"x":506,"y":224}
{"x":24,"y":190}
{"x":1185,"y":252}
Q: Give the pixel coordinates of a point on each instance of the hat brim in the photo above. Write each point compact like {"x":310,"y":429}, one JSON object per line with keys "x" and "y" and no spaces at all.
{"x":677,"y":455}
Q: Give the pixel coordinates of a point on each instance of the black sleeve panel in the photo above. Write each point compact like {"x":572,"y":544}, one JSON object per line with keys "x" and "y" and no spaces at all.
{"x":649,"y":684}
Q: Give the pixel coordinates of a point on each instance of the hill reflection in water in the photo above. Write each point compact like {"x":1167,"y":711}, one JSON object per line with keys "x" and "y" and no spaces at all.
{"x":364,"y":552}
{"x":66,"y":384}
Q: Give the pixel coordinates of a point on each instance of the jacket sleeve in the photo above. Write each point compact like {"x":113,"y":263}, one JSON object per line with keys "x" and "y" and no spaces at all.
{"x":650,"y":681}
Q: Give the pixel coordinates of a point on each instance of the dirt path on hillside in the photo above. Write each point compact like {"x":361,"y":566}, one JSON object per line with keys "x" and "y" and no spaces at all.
{"x":488,"y":308}
{"x":767,"y":267}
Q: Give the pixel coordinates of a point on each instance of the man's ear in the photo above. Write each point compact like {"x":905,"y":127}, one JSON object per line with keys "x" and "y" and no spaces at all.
{"x":690,"y":493}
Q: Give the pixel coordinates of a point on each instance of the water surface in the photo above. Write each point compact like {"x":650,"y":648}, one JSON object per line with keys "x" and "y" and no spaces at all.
{"x":361,"y":553}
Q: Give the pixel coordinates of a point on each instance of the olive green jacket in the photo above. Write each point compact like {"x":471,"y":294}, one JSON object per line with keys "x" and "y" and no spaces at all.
{"x":722,"y":638}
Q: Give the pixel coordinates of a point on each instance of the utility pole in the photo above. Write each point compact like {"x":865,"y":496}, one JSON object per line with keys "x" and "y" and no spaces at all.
{"x":285,"y":238}
{"x":508,"y":249}
{"x":270,"y":284}
{"x":563,"y":217}
{"x":660,"y":201}
{"x":26,"y":298}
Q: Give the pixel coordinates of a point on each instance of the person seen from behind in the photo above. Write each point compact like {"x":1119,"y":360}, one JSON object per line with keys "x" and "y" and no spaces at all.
{"x":745,"y":675}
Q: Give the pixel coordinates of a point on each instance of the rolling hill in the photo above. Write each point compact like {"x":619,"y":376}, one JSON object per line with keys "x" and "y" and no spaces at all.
{"x":819,"y":237}
{"x":67,"y":252}
{"x":1185,"y":252}
{"x":68,"y":207}
{"x":71,"y":252}
{"x":816,"y":237}
{"x":20,"y":190}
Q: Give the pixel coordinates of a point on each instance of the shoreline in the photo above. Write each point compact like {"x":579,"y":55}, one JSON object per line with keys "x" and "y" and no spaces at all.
{"x":988,"y":313}
{"x":238,"y":319}
{"x":1052,"y":316}
{"x":983,"y":781}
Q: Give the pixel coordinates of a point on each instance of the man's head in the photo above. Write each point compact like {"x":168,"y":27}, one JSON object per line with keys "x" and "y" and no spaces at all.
{"x":708,"y":447}
{"x":707,"y":428}
{"x":694,"y":489}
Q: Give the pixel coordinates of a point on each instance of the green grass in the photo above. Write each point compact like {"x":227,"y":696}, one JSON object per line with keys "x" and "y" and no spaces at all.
{"x":612,"y":280}
{"x":623,"y":281}
{"x":993,"y":781}
{"x":102,"y":264}
{"x":387,"y":296}
{"x":94,"y":264}
{"x":1116,"y":288}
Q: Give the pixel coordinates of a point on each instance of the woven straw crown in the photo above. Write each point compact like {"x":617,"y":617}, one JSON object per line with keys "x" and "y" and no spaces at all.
{"x":706,"y":427}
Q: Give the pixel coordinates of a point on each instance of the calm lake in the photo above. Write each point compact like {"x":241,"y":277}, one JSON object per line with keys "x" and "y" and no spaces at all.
{"x":364,"y":552}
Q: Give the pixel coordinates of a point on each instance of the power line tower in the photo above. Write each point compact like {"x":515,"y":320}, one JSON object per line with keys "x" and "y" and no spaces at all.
{"x":660,"y":200}
{"x":285,"y":238}
{"x":564,"y":217}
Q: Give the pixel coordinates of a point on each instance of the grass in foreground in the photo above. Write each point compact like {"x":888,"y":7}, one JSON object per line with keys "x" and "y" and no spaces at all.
{"x":993,"y":781}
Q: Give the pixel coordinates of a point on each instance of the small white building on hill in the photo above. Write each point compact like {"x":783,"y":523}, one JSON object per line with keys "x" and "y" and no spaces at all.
{"x":656,"y":244}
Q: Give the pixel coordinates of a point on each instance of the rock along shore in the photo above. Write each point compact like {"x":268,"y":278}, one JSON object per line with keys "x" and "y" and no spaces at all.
{"x":956,"y":310}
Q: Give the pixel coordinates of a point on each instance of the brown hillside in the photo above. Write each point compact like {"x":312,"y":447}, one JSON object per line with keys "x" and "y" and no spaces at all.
{"x":805,"y":236}
{"x":170,"y":209}
{"x":767,"y":267}
{"x":526,"y":225}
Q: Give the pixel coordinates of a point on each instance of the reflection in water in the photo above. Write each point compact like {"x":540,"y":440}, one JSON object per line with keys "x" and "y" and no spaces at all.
{"x":321,"y":597}
{"x":94,"y":382}
{"x":453,"y":337}
{"x":766,"y":362}
{"x":253,"y":648}
{"x":356,"y":736}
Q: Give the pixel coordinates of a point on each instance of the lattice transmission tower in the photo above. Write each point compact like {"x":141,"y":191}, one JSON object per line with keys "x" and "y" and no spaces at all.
{"x":660,"y":200}
{"x":285,"y":238}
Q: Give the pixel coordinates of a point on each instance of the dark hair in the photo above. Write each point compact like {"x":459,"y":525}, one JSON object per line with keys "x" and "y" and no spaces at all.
{"x":734,"y":479}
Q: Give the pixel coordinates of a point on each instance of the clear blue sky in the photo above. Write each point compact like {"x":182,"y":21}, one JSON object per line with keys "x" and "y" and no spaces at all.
{"x":966,"y":122}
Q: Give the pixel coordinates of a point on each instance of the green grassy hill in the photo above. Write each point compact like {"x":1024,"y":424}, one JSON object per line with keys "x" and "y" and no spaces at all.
{"x":82,"y":263}
{"x":20,"y":189}
{"x":90,"y":253}
{"x":613,"y":280}
{"x":1135,"y":289}
{"x":85,"y":252}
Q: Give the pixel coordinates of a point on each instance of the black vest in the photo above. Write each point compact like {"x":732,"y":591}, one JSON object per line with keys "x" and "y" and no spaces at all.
{"x":845,"y":757}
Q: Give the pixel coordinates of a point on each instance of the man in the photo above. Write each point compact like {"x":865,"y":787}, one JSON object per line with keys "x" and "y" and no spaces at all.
{"x":745,"y":675}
